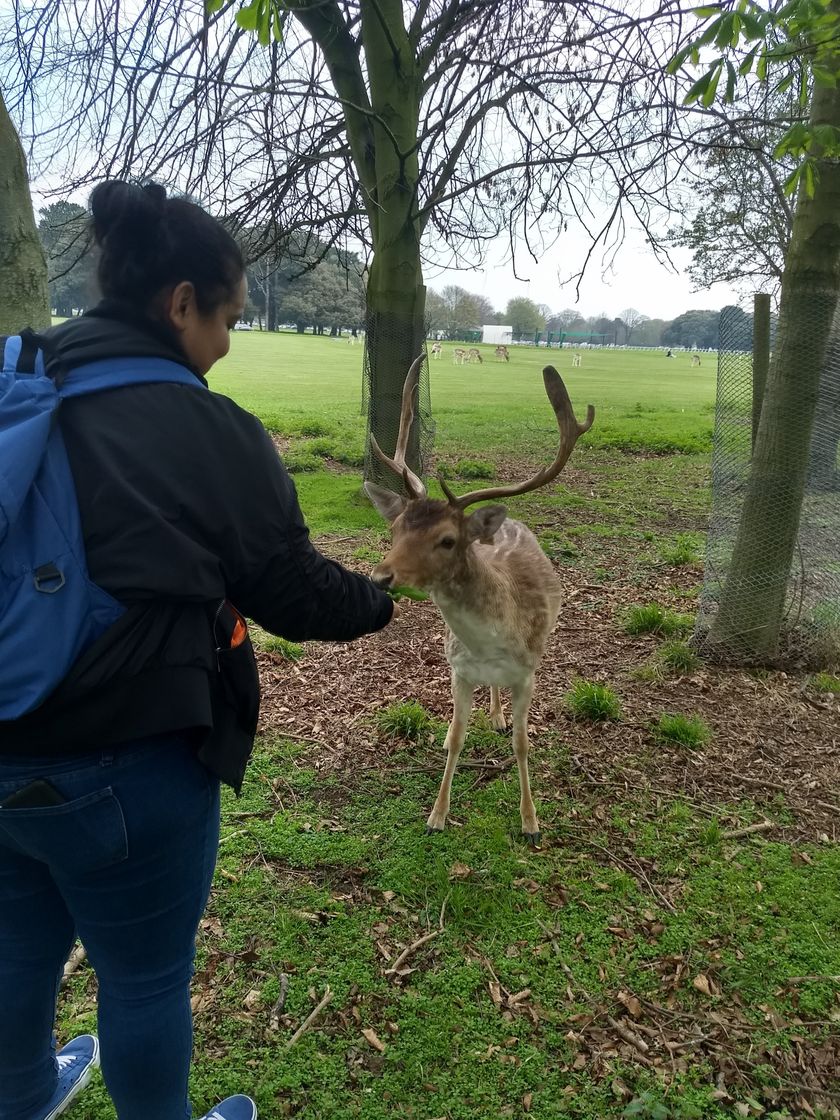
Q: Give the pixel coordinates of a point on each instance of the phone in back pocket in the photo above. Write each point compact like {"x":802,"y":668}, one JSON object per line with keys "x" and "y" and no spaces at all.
{"x":39,"y":794}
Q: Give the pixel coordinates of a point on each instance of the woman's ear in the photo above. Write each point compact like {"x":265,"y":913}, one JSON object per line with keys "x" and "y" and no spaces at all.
{"x":180,"y":304}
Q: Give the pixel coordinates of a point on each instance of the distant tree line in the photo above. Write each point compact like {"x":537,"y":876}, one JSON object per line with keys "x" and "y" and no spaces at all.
{"x":454,"y":312}
{"x":325,"y":294}
{"x":328,"y":296}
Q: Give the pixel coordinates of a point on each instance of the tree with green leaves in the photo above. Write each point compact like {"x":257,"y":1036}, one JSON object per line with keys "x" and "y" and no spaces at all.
{"x":462,"y":312}
{"x":794,"y":44}
{"x":24,"y":299}
{"x":325,"y":298}
{"x":423,"y":129}
{"x":740,"y":232}
{"x":524,"y":316}
{"x":64,"y":232}
{"x":693,"y":329}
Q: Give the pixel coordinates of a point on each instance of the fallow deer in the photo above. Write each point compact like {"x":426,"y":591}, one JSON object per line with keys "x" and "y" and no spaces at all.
{"x":474,"y":355}
{"x":576,"y":361}
{"x":490,"y":579}
{"x":437,"y":350}
{"x":502,"y":353}
{"x":459,"y":356}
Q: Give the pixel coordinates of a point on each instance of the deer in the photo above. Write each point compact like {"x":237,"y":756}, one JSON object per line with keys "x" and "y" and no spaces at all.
{"x":459,"y":356}
{"x":576,"y":361}
{"x":437,"y":350}
{"x":502,"y":353}
{"x":474,"y":355}
{"x":491,"y":581}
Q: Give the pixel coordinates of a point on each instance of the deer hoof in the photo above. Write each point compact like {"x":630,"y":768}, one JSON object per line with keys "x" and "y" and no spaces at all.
{"x":534,"y":838}
{"x":432,"y":831}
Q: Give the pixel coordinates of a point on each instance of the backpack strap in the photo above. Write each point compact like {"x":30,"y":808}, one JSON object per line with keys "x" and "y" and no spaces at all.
{"x":118,"y":373}
{"x":23,"y":353}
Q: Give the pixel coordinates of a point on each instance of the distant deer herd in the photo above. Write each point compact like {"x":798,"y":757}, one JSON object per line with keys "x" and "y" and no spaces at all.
{"x":460,"y":355}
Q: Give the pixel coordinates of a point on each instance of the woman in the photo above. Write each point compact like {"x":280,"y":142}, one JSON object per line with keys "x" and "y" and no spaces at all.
{"x":109,"y":790}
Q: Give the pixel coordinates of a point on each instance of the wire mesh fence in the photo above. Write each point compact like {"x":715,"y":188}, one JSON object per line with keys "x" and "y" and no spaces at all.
{"x":810,"y":634}
{"x":391,"y":344}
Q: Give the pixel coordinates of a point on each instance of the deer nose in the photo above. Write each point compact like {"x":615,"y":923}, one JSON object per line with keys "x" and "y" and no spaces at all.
{"x":383,"y":580}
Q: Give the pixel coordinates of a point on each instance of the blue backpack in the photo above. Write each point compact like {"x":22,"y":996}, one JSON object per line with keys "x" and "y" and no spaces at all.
{"x":50,"y":611}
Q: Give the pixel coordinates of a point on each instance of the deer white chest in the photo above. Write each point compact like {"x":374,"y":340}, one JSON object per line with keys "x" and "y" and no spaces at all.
{"x":482,"y":652}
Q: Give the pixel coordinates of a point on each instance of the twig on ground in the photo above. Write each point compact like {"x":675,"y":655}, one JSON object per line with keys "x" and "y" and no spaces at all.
{"x":73,"y":961}
{"x":466,"y":764}
{"x":302,"y":738}
{"x":816,"y":976}
{"x":762,"y":826}
{"x":443,"y":909}
{"x":277,"y":1009}
{"x":310,"y":1019}
{"x":628,"y":1035}
{"x":406,"y":953}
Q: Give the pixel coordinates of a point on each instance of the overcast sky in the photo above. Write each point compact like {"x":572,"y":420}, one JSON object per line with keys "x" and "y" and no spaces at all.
{"x":635,"y":280}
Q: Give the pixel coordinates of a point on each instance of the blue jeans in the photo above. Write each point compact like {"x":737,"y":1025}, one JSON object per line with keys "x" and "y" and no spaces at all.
{"x":126,"y":864}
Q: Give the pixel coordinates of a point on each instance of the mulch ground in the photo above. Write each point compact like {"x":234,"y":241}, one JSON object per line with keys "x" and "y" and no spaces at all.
{"x":771,"y":734}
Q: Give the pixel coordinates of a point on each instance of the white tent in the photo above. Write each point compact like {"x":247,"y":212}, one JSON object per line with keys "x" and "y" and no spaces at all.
{"x":497,"y":336}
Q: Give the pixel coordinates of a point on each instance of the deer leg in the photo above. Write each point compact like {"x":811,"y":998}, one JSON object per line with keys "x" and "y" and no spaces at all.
{"x":462,"y":695}
{"x":497,"y":716}
{"x":520,"y":703}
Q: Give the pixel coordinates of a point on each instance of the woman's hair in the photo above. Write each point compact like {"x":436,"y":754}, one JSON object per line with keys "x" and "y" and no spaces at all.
{"x":149,"y":242}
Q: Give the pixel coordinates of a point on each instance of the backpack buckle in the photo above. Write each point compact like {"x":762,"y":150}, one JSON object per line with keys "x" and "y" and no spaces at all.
{"x":48,"y":578}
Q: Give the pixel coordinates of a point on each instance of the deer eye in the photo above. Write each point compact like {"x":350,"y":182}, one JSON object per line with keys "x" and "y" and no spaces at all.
{"x":446,"y":542}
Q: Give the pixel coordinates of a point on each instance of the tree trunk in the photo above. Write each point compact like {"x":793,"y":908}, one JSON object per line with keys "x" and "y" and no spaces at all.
{"x":382,"y":113}
{"x":396,"y":297}
{"x":824,"y":473}
{"x":24,"y":299}
{"x":396,"y":302}
{"x":749,"y":622}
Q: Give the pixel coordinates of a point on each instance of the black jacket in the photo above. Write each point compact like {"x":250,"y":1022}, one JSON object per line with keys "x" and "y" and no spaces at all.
{"x":184,"y":504}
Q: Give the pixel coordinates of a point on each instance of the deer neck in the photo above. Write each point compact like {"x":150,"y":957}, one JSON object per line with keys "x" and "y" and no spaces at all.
{"x":472,"y":586}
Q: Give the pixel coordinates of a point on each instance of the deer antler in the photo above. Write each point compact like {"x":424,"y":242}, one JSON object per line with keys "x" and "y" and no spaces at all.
{"x":570,"y":432}
{"x":413,"y":484}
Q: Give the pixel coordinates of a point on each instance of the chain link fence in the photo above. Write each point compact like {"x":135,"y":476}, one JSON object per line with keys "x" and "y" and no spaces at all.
{"x":811,"y":631}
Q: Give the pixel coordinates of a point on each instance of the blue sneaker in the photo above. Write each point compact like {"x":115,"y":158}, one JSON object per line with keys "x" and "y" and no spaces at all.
{"x":233,"y":1108}
{"x":76,"y":1063}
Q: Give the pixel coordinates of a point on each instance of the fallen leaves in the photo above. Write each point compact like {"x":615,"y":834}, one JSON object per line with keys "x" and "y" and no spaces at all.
{"x":703,"y":984}
{"x":374,"y":1039}
{"x":458,"y":872}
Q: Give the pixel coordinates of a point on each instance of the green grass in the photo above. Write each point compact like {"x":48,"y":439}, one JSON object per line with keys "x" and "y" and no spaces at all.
{"x":593,"y":701}
{"x":475,"y":468}
{"x":677,"y":657}
{"x":683,"y":549}
{"x":684,"y":731}
{"x":653,"y":619}
{"x":407,"y":719}
{"x":324,"y":878}
{"x":319,"y":890}
{"x":292,"y":651}
{"x":305,"y":385}
{"x":826,"y":682}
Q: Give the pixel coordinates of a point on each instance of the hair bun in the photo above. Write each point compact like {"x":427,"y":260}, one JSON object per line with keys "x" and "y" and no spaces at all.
{"x":125,"y":212}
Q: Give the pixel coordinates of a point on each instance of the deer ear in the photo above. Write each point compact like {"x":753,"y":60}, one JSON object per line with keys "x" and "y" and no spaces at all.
{"x":389,"y":504}
{"x":485,"y":523}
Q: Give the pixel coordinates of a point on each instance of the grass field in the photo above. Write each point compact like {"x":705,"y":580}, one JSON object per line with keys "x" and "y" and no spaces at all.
{"x":672,"y":951}
{"x":645,"y":400}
